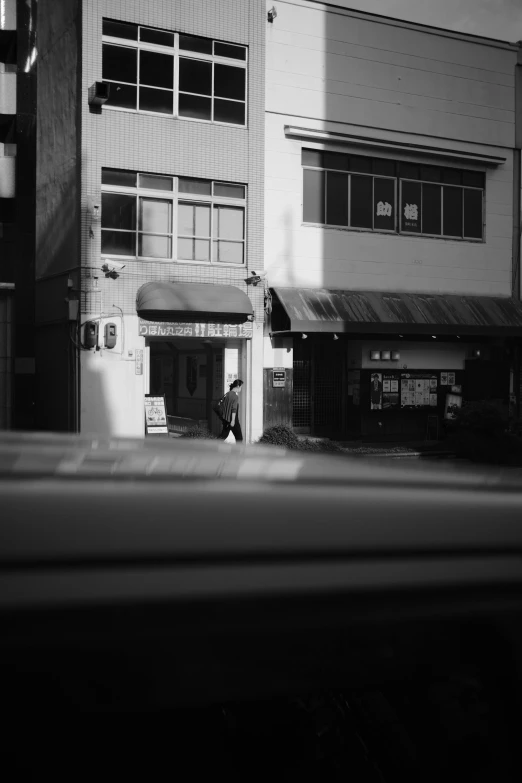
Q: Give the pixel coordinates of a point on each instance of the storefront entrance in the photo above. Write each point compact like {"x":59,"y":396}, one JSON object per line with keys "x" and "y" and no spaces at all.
{"x":319,"y":387}
{"x":192,"y":374}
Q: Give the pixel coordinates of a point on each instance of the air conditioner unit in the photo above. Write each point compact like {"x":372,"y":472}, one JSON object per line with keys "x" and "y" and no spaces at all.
{"x":99,"y":93}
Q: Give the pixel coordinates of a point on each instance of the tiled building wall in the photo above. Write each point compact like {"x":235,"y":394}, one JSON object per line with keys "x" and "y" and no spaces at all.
{"x":174,"y":146}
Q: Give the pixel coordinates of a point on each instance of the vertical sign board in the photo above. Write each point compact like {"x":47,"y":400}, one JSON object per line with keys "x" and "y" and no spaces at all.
{"x":139,"y":361}
{"x":278,"y":377}
{"x":155,"y":416}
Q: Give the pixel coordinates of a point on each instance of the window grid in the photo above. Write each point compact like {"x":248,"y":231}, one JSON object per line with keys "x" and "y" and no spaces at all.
{"x":398,"y":199}
{"x":178,"y":54}
{"x":176,"y":198}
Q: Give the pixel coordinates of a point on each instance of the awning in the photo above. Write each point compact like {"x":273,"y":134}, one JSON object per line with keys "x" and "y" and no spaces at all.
{"x":165,"y":301}
{"x":322,"y":310}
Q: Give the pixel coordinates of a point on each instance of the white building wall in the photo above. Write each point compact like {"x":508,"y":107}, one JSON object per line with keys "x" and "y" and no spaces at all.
{"x":338,"y":71}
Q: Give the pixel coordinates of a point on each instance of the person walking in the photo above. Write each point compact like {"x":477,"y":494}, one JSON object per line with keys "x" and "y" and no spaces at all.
{"x":230,"y":412}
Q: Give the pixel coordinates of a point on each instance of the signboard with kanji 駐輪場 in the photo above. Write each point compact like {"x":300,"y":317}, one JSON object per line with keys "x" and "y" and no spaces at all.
{"x":171,"y":329}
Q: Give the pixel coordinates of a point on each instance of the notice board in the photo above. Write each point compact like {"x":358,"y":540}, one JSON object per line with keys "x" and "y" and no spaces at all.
{"x":155,"y":415}
{"x":419,"y":390}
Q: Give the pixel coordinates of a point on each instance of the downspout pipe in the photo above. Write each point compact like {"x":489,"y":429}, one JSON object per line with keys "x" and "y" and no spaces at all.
{"x":517,"y":220}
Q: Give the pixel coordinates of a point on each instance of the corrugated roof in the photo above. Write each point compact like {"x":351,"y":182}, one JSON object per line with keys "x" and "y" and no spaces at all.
{"x":323,"y":310}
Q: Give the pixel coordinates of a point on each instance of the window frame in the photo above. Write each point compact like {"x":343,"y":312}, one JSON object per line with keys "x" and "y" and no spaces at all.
{"x":398,"y":180}
{"x":175,"y":198}
{"x":177,"y":53}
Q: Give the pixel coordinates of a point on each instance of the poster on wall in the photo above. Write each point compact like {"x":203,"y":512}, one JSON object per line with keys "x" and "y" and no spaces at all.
{"x":155,"y":416}
{"x":452,"y":406}
{"x":418,"y":390}
{"x":376,"y":391}
{"x":451,"y":379}
{"x":390,"y":390}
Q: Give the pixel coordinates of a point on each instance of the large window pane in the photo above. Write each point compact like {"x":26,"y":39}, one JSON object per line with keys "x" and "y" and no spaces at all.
{"x":229,"y":191}
{"x":229,"y":50}
{"x":452,"y":212}
{"x":155,"y":182}
{"x":229,"y":111}
{"x":336,"y":160}
{"x":155,"y":216}
{"x":452,"y":176}
{"x":120,"y":29}
{"x":229,"y":82}
{"x":119,"y":177}
{"x":336,"y":199}
{"x":361,"y":202}
{"x":195,"y":76}
{"x":193,"y":249}
{"x":409,"y":170}
{"x":186,"y":219}
{"x":473,"y":214}
{"x":194,"y":106}
{"x":475,"y":179}
{"x":123,"y":95}
{"x":119,"y":63}
{"x":193,"y":43}
{"x":156,"y":36}
{"x":384,"y":204}
{"x":384,"y":167}
{"x":160,"y":101}
{"x":156,"y":70}
{"x":189,"y":185}
{"x":431,"y":209}
{"x":312,"y":158}
{"x":186,"y":249}
{"x":118,"y":211}
{"x":360,"y":164}
{"x":228,"y":252}
{"x":228,"y":222}
{"x":118,"y":243}
{"x":313,"y":196}
{"x":202,"y":220}
{"x":154,"y":246}
{"x":411,"y":201}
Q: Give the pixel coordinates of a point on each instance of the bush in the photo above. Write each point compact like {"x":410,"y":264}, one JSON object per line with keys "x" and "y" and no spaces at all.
{"x":479,"y":433}
{"x":280,"y":435}
{"x":199,"y":432}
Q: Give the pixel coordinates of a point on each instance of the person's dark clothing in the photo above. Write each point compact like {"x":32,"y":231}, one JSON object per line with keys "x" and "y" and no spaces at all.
{"x":236,"y":431}
{"x":229,"y":407}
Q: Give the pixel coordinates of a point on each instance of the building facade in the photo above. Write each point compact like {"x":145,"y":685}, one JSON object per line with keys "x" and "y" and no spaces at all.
{"x":150,"y":211}
{"x":17,"y":206}
{"x":392,"y":222}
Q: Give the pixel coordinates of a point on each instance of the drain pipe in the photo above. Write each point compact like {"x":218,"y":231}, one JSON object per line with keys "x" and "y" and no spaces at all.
{"x":517,"y":219}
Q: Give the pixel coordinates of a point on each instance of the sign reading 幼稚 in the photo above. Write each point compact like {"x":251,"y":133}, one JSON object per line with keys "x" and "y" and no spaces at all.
{"x":161,"y":329}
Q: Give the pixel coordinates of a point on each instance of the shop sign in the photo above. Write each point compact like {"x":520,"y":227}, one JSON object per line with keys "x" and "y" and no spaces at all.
{"x":278,"y":377}
{"x":162,"y":329}
{"x":155,"y":416}
{"x":139,"y":361}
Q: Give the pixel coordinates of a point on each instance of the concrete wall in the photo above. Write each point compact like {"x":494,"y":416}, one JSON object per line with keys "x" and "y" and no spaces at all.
{"x":336,"y":70}
{"x":146,"y":143}
{"x":57,"y":137}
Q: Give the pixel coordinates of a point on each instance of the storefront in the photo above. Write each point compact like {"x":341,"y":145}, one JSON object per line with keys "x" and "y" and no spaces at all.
{"x":184,"y":346}
{"x":389,"y":366}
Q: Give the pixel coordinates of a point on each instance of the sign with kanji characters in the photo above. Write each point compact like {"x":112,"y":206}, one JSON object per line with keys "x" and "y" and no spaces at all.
{"x":390,"y":390}
{"x":175,"y":329}
{"x":139,"y":361}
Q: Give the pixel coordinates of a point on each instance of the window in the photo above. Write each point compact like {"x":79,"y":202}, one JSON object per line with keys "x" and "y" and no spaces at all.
{"x":372,"y":194}
{"x":172,"y":218}
{"x":173,"y":74}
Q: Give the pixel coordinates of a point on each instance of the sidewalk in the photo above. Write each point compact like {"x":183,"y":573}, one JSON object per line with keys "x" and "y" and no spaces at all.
{"x":412,"y":449}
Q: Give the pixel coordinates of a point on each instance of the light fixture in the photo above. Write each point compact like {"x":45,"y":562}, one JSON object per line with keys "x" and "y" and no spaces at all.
{"x":434,"y":336}
{"x":335,"y":337}
{"x":395,"y":355}
{"x":401,"y":335}
{"x":271,"y":14}
{"x":375,"y":356}
{"x":385,"y":356}
{"x":476,"y":353}
{"x":304,"y":336}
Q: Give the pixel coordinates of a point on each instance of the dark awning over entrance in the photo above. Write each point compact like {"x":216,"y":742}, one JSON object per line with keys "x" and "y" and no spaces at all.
{"x":164,"y":301}
{"x":321,"y":310}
